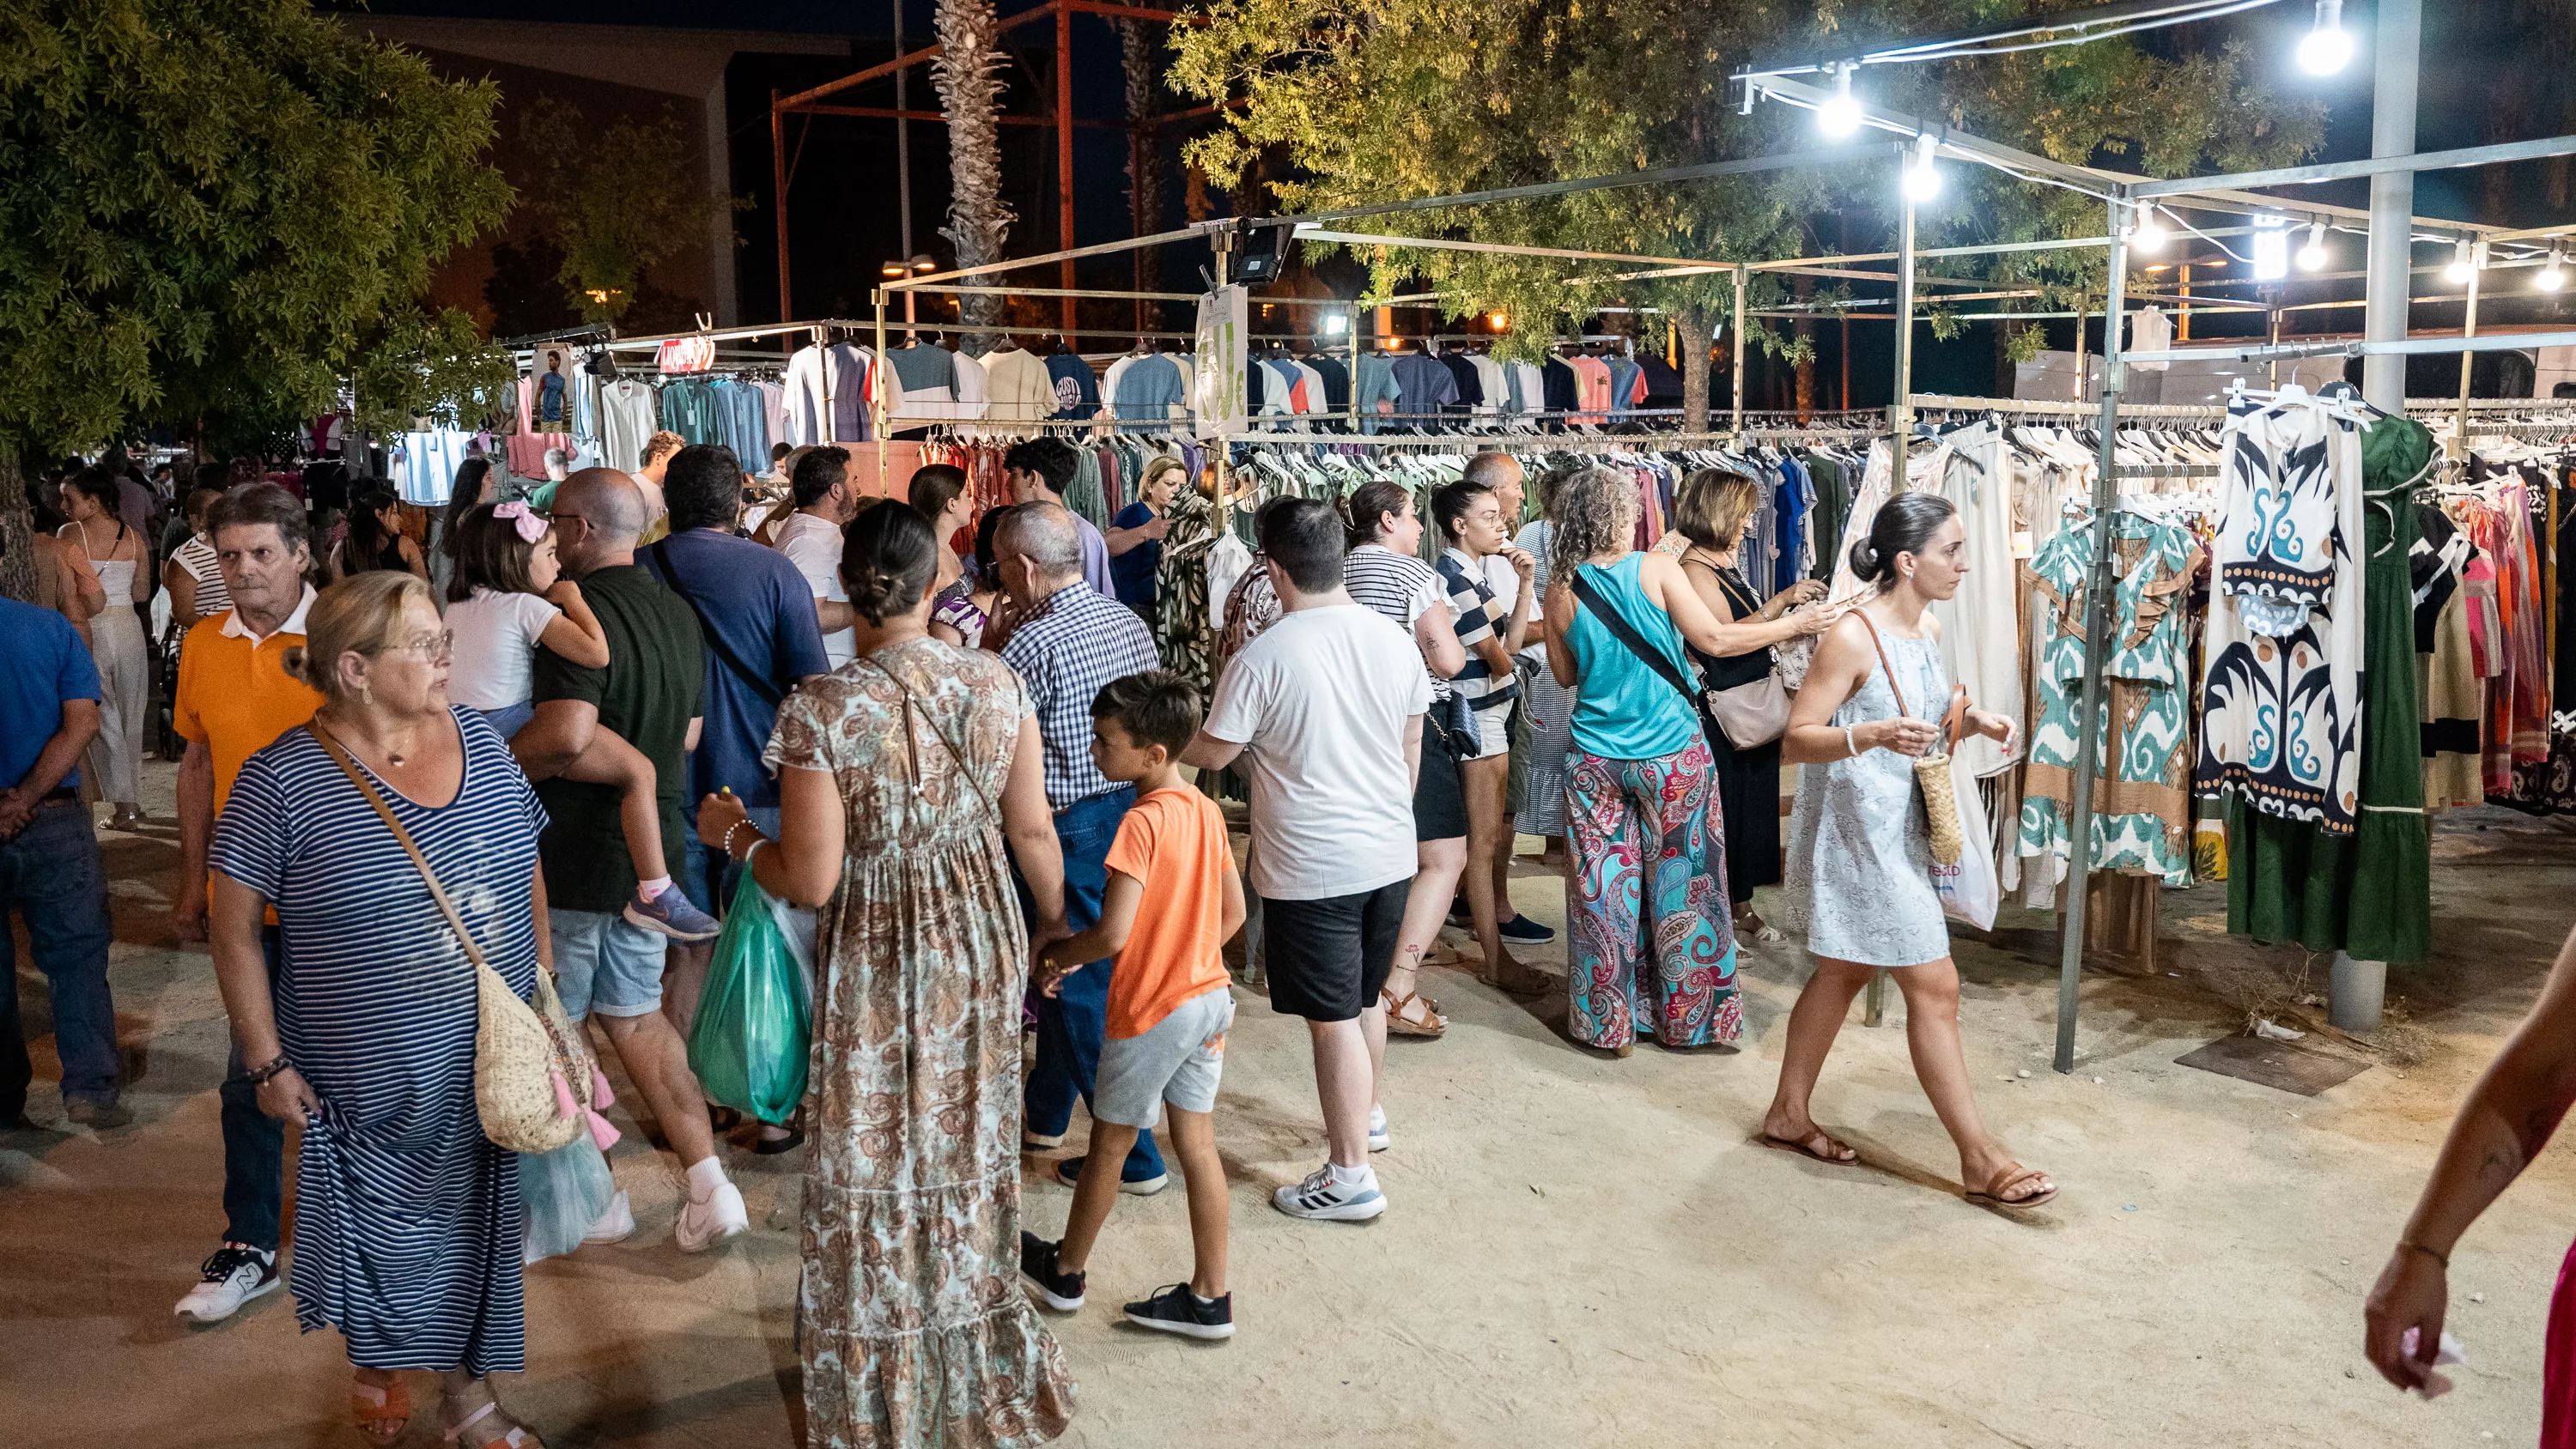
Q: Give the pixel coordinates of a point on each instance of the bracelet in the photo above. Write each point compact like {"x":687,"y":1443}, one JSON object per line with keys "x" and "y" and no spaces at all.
{"x":726,"y":845}
{"x":1849,"y":743}
{"x":261,"y":1076}
{"x":2427,"y":1252}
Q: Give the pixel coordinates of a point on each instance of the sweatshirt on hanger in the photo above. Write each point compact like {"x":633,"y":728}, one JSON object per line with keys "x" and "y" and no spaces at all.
{"x":1077,"y":387}
{"x":1018,"y":386}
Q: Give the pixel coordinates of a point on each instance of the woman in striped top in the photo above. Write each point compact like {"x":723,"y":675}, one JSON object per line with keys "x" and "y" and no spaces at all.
{"x":407,"y":1217}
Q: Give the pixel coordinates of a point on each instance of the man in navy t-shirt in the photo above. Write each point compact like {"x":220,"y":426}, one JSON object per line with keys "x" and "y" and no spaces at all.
{"x":49,"y":866}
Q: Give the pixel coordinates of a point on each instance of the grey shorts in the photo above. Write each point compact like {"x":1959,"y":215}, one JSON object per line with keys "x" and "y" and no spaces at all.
{"x":1178,"y":1060}
{"x":605,"y":963}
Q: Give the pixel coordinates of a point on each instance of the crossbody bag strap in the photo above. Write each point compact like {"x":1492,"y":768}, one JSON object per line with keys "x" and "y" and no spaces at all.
{"x":912,"y":702}
{"x":1881,"y":645}
{"x":1620,"y":630}
{"x":707,"y":629}
{"x":438,"y":893}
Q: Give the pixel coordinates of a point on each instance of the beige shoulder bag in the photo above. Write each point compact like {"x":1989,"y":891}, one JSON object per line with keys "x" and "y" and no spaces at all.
{"x":1932,"y":769}
{"x":527,"y":1059}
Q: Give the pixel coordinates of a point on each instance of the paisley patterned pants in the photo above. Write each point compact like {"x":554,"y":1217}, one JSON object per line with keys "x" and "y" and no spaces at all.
{"x":1651,"y":940}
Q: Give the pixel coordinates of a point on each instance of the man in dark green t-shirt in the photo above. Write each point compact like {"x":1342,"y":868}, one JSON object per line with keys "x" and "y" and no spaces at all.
{"x":605,"y":964}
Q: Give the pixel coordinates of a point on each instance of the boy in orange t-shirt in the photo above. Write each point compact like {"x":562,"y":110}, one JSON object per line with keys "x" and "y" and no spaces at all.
{"x":1172,"y":902}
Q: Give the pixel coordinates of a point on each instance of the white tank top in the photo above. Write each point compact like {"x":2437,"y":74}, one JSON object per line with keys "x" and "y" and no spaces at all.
{"x":116,"y":576}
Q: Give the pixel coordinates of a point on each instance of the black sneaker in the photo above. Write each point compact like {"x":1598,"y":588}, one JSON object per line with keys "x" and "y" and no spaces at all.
{"x":1460,"y":916}
{"x":1061,"y":1291}
{"x":1525,"y":931}
{"x":1177,"y":1310}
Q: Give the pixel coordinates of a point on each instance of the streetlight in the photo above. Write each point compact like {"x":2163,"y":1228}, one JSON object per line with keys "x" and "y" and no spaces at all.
{"x":2327,"y":48}
{"x":898,"y":270}
{"x":1839,"y":116}
{"x":2312,"y":257}
{"x":1922,"y":178}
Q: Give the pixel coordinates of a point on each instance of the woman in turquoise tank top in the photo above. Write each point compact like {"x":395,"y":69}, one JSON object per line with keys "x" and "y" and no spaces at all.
{"x":1639,"y":783}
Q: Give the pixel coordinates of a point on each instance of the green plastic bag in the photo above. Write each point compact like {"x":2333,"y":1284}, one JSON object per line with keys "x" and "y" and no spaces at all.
{"x":749,"y":1042}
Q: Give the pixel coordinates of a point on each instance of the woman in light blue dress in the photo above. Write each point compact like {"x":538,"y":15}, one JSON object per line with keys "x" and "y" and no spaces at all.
{"x":1860,"y":849}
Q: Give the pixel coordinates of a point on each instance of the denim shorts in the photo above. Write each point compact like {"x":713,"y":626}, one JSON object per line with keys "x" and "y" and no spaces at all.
{"x":606,"y":963}
{"x":1177,"y":1060}
{"x":510,"y":719}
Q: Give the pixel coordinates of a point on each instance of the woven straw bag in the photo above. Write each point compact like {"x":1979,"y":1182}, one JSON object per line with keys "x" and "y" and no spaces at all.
{"x":1932,"y":769}
{"x":526,"y":1058}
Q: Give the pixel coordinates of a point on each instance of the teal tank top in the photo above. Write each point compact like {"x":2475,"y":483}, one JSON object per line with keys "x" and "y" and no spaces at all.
{"x":1623,"y":711}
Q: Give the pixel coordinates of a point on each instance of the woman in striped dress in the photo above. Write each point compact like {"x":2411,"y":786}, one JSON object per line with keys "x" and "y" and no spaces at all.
{"x":407,"y":1217}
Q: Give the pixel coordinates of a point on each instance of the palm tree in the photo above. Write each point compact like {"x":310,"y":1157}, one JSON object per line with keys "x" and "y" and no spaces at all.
{"x":968,"y":77}
{"x":1140,"y":47}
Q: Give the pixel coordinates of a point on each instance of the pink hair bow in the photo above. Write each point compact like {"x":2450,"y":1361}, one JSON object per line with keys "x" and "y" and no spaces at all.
{"x":531,"y":524}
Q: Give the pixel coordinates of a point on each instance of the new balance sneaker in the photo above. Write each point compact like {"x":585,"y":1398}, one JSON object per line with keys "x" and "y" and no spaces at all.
{"x":705,"y":1222}
{"x":232,"y":1277}
{"x":1068,"y":1171}
{"x":1379,"y":1141}
{"x":1320,"y":1199}
{"x":1061,"y":1291}
{"x":1178,"y":1310}
{"x":671,"y":914}
{"x":1526,"y":931}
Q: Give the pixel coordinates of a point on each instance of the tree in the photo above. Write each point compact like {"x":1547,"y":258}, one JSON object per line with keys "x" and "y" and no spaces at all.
{"x":968,"y":76}
{"x":1140,"y":53}
{"x":1378,"y":100}
{"x":613,"y":202}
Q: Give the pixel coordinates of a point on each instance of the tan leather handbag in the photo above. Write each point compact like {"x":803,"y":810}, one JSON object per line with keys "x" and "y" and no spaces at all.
{"x":527,"y":1058}
{"x":1932,"y":769}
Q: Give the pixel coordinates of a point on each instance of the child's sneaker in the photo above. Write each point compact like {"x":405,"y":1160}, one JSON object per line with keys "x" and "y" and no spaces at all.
{"x":1178,"y":1310}
{"x":1321,"y":1199}
{"x":1061,"y":1291}
{"x":671,"y":914}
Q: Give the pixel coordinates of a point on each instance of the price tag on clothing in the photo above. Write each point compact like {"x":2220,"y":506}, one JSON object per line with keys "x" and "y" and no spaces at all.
{"x":2023,"y":545}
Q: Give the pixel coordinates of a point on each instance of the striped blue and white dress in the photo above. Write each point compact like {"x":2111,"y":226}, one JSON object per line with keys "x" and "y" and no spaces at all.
{"x":407,"y":1218}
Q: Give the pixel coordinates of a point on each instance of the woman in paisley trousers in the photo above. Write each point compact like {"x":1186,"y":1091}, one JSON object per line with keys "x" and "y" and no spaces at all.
{"x":1860,"y":845}
{"x":1650,"y":947}
{"x":902,"y":775}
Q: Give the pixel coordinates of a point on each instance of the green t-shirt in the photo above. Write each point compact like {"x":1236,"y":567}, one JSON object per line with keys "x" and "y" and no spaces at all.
{"x":646,"y":696}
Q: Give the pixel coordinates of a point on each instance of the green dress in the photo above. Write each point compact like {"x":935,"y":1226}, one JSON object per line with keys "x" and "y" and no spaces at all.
{"x":2369,"y":894}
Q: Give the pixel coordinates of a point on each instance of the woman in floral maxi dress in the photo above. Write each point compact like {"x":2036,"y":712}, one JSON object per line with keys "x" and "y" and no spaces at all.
{"x":901,"y":773}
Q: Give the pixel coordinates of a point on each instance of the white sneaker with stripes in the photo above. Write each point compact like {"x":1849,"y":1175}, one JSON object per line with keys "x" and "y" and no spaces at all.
{"x":1320,"y":1199}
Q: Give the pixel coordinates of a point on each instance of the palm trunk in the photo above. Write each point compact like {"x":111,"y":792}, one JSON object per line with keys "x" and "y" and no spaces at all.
{"x":1691,"y":325}
{"x":1804,"y":289}
{"x":1139,"y":47}
{"x":968,"y":77}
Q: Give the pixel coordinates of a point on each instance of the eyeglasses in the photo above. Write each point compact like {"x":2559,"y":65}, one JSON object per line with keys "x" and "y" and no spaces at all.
{"x":430,"y":648}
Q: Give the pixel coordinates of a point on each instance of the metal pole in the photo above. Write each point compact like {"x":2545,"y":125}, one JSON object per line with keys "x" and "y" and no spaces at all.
{"x":2469,"y":329}
{"x":876,"y":398}
{"x":2397,"y":42}
{"x":829,"y":392}
{"x":778,"y":194}
{"x":1900,"y":419}
{"x":1739,"y":349}
{"x":1064,"y":145}
{"x":2097,"y":639}
{"x":1357,"y":312}
{"x":902,"y":146}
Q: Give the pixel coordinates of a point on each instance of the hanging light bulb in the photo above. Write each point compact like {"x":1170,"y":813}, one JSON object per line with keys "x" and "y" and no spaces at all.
{"x":1839,"y":116}
{"x":1922,"y":178}
{"x":2149,"y":234}
{"x":2461,"y":269}
{"x":2312,"y":257}
{"x":2327,"y":48}
{"x":2554,"y":276}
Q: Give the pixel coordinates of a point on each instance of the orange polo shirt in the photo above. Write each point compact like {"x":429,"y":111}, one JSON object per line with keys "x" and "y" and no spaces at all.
{"x":235,"y":696}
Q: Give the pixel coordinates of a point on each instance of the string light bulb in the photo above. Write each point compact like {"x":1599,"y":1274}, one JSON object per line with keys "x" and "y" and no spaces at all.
{"x":1839,"y":116}
{"x":2327,"y":48}
{"x":2461,"y":269}
{"x":2554,"y":276}
{"x":1922,"y":177}
{"x":2312,"y":257}
{"x":2149,"y":235}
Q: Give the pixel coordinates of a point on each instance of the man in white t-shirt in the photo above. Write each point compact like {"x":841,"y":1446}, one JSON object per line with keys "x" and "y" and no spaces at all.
{"x":1325,"y":708}
{"x":811,"y":539}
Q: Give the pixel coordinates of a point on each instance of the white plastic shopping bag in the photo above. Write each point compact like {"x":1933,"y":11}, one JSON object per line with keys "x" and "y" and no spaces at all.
{"x":1969,"y":891}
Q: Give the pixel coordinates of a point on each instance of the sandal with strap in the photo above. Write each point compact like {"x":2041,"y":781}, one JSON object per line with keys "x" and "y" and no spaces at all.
{"x":1992,"y":1194}
{"x":1809,"y":1146}
{"x":1412,"y":1014}
{"x":517,"y":1438}
{"x":380,"y":1404}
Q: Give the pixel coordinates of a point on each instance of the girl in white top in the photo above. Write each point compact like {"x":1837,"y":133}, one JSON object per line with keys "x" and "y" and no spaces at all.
{"x":115,"y":553}
{"x":508,"y":599}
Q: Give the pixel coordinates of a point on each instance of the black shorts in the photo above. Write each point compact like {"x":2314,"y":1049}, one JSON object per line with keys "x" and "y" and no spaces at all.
{"x":1329,"y":958}
{"x":1439,"y":800}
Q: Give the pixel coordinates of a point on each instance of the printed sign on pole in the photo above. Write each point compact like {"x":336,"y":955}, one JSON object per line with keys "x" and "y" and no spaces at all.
{"x":1224,"y":352}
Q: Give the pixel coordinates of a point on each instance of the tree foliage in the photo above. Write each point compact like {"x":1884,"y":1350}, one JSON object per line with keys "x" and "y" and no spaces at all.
{"x":613,"y":201}
{"x":1376,"y":100}
{"x":224,"y":208}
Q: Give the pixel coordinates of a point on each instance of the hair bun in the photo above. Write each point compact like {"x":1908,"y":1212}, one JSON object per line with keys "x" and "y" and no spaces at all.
{"x":1864,"y":560}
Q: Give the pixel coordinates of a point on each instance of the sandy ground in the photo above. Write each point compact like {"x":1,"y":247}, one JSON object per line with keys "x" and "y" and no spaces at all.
{"x":1579,"y":1251}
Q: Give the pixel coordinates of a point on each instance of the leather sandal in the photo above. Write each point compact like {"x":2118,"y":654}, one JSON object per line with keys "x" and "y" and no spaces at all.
{"x":380,"y":1404}
{"x":1412,"y":1014}
{"x":1992,"y":1194}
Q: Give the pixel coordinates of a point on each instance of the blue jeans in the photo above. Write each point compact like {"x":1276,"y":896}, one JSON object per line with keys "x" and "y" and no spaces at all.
{"x":708,"y":877}
{"x":51,"y":872}
{"x":254,"y":1142}
{"x":1070,"y":1026}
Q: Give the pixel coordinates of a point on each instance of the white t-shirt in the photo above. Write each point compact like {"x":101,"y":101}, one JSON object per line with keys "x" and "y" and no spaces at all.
{"x":814,"y":546}
{"x":496,"y":648}
{"x":1319,"y":702}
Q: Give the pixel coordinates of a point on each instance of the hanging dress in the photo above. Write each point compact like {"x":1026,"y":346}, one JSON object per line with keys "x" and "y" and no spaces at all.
{"x":1748,"y":780}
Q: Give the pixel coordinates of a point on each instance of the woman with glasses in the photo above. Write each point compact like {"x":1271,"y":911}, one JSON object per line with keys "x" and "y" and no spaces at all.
{"x":407,"y":1219}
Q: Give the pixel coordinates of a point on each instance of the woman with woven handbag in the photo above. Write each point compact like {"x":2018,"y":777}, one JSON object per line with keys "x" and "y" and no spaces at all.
{"x":1862,"y":842}
{"x":407,"y":1218}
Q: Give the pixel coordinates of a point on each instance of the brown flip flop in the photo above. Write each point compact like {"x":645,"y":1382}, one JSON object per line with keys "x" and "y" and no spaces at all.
{"x":1992,"y":1195}
{"x":1800,"y":1147}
